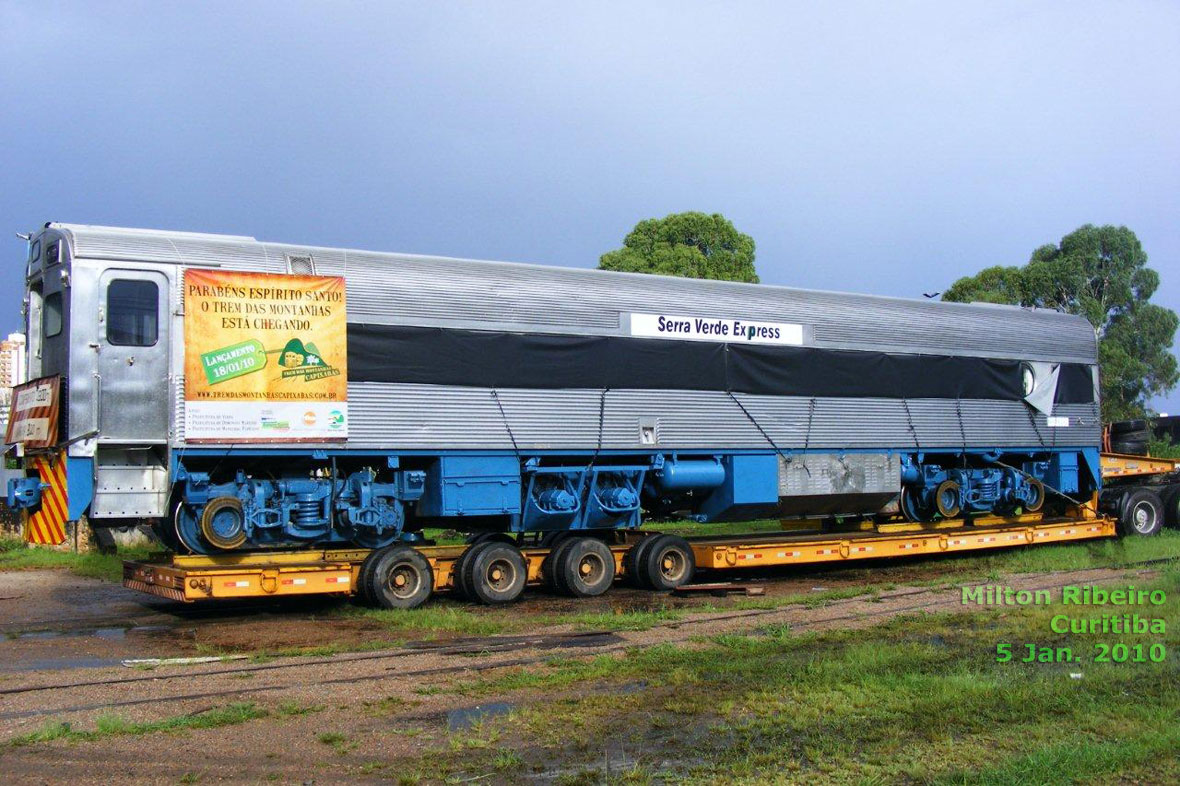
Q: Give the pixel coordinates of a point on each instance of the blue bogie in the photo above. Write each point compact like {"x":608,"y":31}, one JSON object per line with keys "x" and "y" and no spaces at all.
{"x":320,"y":503}
{"x":948,"y":490}
{"x":314,"y":508}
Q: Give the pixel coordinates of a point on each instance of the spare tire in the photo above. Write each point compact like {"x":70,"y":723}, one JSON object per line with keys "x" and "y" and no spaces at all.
{"x":1130,"y":447}
{"x":1128,"y":426}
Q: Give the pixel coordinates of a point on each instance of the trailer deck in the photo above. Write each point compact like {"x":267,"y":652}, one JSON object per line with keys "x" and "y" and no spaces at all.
{"x":190,"y":578}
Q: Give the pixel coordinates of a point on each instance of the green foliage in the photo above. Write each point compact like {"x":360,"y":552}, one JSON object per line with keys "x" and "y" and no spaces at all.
{"x":1100,"y":273}
{"x":690,"y":245}
{"x":1162,"y":448}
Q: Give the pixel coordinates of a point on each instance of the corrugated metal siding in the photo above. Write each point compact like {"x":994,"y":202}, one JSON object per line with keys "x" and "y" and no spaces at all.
{"x":428,"y":417}
{"x":416,"y":290}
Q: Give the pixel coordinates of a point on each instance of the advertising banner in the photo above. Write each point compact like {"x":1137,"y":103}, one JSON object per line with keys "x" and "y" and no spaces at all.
{"x":265,"y":357}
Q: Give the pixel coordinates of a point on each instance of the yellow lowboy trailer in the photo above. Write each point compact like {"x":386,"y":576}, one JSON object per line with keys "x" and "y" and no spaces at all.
{"x":341,"y":571}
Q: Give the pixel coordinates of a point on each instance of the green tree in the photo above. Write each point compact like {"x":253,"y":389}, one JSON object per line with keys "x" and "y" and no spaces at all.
{"x":1100,"y":273}
{"x":691,"y":245}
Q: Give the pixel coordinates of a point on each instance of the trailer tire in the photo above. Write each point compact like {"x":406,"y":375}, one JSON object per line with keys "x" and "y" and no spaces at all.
{"x":549,"y":572}
{"x":585,"y":568}
{"x":1170,"y":497}
{"x":1141,"y":513}
{"x":633,"y":561}
{"x":458,"y":575}
{"x":668,"y":563}
{"x":363,"y":574}
{"x":496,"y":572}
{"x":401,"y":578}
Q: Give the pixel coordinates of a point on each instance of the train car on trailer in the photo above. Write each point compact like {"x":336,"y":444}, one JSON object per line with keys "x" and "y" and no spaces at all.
{"x":243,"y":396}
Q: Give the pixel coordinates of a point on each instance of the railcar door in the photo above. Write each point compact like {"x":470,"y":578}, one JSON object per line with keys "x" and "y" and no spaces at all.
{"x":133,"y":325}
{"x":48,"y":328}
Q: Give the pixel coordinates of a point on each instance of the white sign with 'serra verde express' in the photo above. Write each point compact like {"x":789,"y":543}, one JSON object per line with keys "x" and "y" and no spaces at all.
{"x":714,"y":329}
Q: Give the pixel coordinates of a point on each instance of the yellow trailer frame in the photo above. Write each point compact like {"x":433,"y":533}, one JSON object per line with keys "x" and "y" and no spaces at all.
{"x":1119,"y":465}
{"x":335,"y":571}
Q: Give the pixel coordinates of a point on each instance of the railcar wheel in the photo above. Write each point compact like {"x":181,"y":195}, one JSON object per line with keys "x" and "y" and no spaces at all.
{"x":668,"y":563}
{"x":187,"y":529}
{"x":913,"y":509}
{"x":222,"y":523}
{"x":549,"y":567}
{"x":947,"y":499}
{"x":633,"y":561}
{"x":1038,"y":496}
{"x":1141,"y":513}
{"x":364,"y":575}
{"x":585,"y":568}
{"x":400,"y":578}
{"x":496,"y":572}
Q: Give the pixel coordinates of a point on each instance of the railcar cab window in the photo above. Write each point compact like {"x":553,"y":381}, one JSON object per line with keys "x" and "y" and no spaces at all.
{"x":133,"y":313}
{"x":51,"y":315}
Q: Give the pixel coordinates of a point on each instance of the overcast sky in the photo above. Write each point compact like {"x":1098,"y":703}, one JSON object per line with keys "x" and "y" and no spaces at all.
{"x":886,"y":148}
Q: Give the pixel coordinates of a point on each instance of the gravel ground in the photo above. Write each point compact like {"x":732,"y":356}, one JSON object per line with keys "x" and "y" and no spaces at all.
{"x":286,"y":747}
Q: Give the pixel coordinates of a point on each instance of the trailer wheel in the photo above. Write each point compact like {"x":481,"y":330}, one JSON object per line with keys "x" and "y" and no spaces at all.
{"x":1141,"y":513}
{"x":400,"y":578}
{"x":458,"y":575}
{"x":668,"y":563}
{"x":496,"y":572}
{"x":585,"y":568}
{"x":549,"y":570}
{"x":363,"y":576}
{"x":1170,"y":496}
{"x":633,"y":561}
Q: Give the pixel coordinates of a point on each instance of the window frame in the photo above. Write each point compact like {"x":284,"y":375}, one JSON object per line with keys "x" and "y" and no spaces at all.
{"x":108,"y":314}
{"x":60,"y":312}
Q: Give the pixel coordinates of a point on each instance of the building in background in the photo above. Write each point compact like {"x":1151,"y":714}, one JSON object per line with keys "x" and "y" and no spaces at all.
{"x":13,"y":371}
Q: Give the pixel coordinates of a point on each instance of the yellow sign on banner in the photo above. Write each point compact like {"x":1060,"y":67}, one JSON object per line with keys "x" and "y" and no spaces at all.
{"x":265,"y":358}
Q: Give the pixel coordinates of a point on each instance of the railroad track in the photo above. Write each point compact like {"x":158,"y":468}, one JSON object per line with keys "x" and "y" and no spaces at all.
{"x":588,"y":644}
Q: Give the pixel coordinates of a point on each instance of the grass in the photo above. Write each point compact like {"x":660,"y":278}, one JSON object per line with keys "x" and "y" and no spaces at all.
{"x":337,"y":741}
{"x":1071,"y":556}
{"x":919,"y":700}
{"x":117,"y":725}
{"x":15,"y":554}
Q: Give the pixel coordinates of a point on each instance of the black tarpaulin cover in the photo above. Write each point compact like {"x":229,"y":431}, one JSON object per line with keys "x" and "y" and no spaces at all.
{"x":444,"y":356}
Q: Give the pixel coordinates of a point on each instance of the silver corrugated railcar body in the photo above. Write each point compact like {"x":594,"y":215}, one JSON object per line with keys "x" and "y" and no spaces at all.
{"x":403,"y":289}
{"x":850,"y":405}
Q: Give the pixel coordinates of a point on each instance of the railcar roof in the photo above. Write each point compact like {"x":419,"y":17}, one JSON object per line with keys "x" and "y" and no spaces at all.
{"x":579,"y":295}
